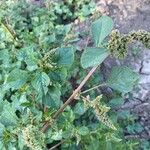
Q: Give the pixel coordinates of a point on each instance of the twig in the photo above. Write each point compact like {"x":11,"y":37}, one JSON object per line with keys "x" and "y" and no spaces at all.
{"x":71,"y":98}
{"x":93,"y":88}
{"x":52,"y":148}
{"x":8,"y":30}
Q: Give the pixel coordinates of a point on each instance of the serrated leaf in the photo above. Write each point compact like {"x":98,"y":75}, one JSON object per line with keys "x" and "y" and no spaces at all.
{"x":8,"y":116}
{"x":122,"y":79}
{"x":52,"y":98}
{"x":65,"y":56}
{"x":41,"y":82}
{"x":93,"y":56}
{"x":29,"y":56}
{"x":101,"y":29}
{"x":17,"y":78}
{"x":58,"y":75}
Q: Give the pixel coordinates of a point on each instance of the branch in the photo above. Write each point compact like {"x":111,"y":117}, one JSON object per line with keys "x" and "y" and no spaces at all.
{"x":93,"y":88}
{"x":52,"y":148}
{"x":71,"y":98}
{"x":8,"y":30}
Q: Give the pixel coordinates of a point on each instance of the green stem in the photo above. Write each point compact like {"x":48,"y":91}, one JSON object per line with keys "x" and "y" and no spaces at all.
{"x":71,"y":98}
{"x":93,"y":88}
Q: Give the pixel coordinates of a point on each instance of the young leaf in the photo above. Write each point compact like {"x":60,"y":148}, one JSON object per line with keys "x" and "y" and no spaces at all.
{"x":122,"y":79}
{"x":65,"y":56}
{"x":40,"y":82}
{"x":93,"y":56}
{"x":101,"y":29}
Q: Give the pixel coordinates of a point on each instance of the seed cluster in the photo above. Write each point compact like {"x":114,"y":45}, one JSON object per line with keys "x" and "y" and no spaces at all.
{"x":118,"y":44}
{"x":47,"y":60}
{"x":100,"y":111}
{"x":32,"y":138}
{"x":141,"y":36}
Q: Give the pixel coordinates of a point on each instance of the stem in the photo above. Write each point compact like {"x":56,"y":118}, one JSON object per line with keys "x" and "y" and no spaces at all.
{"x":71,"y":98}
{"x":52,"y":148}
{"x":93,"y":88}
{"x":8,"y":30}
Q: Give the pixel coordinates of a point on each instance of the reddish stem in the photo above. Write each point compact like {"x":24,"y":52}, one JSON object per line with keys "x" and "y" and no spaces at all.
{"x":71,"y":98}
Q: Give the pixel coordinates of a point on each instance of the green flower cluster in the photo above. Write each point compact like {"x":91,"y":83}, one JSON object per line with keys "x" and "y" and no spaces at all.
{"x":100,"y":111}
{"x":32,"y":138}
{"x":141,"y":36}
{"x":118,"y":44}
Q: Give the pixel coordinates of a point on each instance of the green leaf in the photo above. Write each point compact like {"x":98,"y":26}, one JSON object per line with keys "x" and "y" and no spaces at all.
{"x":79,"y":109}
{"x":83,"y":130}
{"x":41,"y":82}
{"x":8,"y":116}
{"x":65,"y":56}
{"x":57,"y":135}
{"x":17,"y":78}
{"x":5,"y":57}
{"x":93,"y":56}
{"x":58,"y":75}
{"x":116,"y":102}
{"x":29,"y":56}
{"x":101,"y":29}
{"x":2,"y":128}
{"x":122,"y":79}
{"x":52,"y":98}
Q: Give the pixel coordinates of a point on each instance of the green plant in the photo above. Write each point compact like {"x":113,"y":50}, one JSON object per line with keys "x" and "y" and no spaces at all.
{"x":36,"y":66}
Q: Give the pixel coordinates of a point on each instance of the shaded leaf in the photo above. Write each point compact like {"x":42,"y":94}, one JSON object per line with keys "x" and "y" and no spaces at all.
{"x":52,"y":98}
{"x":41,"y":82}
{"x":79,"y":109}
{"x":65,"y":56}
